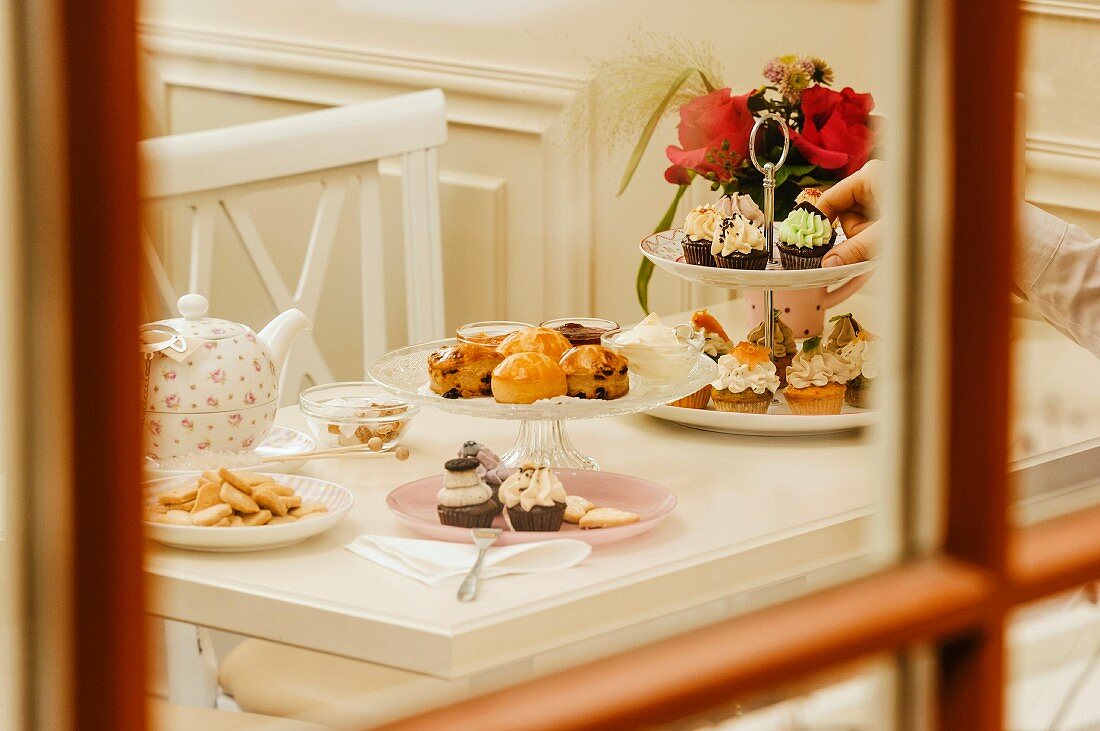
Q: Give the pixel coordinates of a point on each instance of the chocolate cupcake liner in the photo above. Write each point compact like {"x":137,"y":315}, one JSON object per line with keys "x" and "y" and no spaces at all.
{"x":742,"y":261}
{"x":697,"y":400}
{"x":539,"y":518}
{"x":697,"y":253}
{"x":469,"y":516}
{"x":792,"y":260}
{"x":858,"y":393}
{"x":742,"y":402}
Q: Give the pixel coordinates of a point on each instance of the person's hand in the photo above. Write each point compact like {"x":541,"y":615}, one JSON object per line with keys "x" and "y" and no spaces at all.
{"x":852,"y":202}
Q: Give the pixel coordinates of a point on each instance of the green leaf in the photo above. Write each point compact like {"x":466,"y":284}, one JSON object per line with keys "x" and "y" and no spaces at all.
{"x":651,"y":125}
{"x":645,"y":271}
{"x":706,"y":82}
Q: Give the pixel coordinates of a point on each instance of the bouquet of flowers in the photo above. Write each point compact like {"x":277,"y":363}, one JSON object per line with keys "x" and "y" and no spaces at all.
{"x":832,"y":136}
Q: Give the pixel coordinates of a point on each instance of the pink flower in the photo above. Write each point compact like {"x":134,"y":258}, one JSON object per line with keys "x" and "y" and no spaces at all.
{"x":217,"y":375}
{"x":235,"y":419}
{"x":249,"y":398}
{"x":169,"y":375}
{"x":154,"y":427}
{"x":172,"y":402}
{"x":212,"y":401}
{"x":714,"y":138}
{"x":204,"y":444}
{"x":248,"y":442}
{"x":256,"y":365}
{"x":210,"y":345}
{"x":188,"y":425}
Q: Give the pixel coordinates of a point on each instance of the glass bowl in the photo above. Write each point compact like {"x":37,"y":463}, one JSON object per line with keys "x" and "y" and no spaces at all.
{"x":488,"y":332}
{"x":354,"y":412}
{"x":659,"y":364}
{"x":585,"y":330}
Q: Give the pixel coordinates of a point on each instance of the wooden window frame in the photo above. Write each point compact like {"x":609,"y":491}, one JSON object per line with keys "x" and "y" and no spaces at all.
{"x":957,"y":601}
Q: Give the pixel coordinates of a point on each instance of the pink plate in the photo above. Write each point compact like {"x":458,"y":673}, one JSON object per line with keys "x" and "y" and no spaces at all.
{"x":414,"y":504}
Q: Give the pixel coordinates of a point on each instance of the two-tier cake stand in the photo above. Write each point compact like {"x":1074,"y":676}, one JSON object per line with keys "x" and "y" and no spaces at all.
{"x":664,"y":249}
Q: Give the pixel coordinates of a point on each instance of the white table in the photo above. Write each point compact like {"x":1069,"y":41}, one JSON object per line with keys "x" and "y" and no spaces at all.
{"x":759,"y":519}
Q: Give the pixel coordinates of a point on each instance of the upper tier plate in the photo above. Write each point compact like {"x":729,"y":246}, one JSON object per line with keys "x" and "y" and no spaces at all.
{"x":664,"y":250}
{"x":404,"y":373}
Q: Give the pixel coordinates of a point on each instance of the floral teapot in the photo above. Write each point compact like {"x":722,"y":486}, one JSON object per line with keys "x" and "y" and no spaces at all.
{"x":211,"y":385}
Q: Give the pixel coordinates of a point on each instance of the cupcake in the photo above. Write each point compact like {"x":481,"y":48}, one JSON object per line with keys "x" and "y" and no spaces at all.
{"x":489,"y":467}
{"x":816,"y":380}
{"x":742,"y":205}
{"x":784,"y":346}
{"x":861,"y":356}
{"x":746,"y":380}
{"x":844,"y":331}
{"x":465,"y":501}
{"x":715,"y":344}
{"x":805,"y":237}
{"x":737,"y":244}
{"x":700,"y":226}
{"x":534,"y":499}
{"x":808,"y":195}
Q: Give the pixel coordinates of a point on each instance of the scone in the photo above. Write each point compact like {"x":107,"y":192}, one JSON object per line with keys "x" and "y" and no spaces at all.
{"x":550,"y":343}
{"x":575,"y":508}
{"x":608,"y":518}
{"x":524,"y":378}
{"x":462,"y":371}
{"x":595,"y":372}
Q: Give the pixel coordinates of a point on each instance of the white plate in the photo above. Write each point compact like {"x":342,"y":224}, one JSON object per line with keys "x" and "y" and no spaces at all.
{"x":779,"y":421}
{"x":254,"y":538}
{"x":280,"y":441}
{"x":664,"y":250}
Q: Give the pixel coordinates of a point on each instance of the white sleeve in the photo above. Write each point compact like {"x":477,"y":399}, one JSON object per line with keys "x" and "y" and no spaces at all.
{"x":1058,"y":272}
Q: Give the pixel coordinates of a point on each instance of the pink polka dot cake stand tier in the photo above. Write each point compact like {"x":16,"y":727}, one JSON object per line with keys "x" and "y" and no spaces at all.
{"x":414,"y":504}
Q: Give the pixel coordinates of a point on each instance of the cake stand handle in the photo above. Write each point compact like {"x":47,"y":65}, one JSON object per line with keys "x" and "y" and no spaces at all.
{"x":768,"y":170}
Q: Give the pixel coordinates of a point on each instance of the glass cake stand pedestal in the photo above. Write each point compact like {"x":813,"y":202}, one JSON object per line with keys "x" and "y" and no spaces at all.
{"x":542,"y":438}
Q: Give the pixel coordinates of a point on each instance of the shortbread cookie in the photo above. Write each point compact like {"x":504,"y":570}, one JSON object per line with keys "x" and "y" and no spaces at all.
{"x":178,"y":495}
{"x":208,"y":495}
{"x":290,"y":502}
{"x":575,"y":508}
{"x":280,"y":519}
{"x":608,"y":518}
{"x":260,"y":518}
{"x":281,"y":490}
{"x":252,"y":478}
{"x":238,"y":500}
{"x":211,"y":515}
{"x":242,"y":485}
{"x":267,"y":498}
{"x":309,"y":509}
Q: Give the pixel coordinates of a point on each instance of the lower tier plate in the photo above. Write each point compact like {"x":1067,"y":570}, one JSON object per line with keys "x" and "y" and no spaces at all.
{"x":779,"y":421}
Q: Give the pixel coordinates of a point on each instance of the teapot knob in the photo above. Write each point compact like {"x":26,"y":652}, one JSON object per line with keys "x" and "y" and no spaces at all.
{"x":192,"y":306}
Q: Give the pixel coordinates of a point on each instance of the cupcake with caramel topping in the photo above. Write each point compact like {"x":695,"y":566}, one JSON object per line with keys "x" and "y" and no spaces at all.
{"x":816,"y":380}
{"x":700,"y":226}
{"x":784,"y":348}
{"x":746,"y":381}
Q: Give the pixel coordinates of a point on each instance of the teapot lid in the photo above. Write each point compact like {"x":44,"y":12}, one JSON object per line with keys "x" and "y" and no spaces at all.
{"x":195,"y":324}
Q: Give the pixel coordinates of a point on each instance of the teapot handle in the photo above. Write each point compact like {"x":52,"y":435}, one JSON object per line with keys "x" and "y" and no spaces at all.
{"x":835,"y":296}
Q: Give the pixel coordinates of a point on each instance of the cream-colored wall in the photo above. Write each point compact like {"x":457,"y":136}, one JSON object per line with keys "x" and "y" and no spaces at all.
{"x":513,"y":174}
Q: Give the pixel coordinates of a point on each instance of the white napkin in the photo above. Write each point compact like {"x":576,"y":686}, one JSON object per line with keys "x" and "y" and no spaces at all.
{"x":434,"y":562}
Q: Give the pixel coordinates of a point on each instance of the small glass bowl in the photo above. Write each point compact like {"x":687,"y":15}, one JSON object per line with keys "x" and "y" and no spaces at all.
{"x":488,"y":332}
{"x":598,"y":325}
{"x":659,"y":363}
{"x":351,"y":413}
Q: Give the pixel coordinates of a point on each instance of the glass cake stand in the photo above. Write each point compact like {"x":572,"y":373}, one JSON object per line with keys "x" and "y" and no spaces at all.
{"x":542,"y":435}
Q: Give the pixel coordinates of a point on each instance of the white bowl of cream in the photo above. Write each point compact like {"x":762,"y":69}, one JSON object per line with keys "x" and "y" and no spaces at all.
{"x":656,"y":352}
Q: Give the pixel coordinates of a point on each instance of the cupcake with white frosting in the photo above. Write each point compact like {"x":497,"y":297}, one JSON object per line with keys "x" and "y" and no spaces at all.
{"x":738,"y":244}
{"x":805,"y":236}
{"x":700,"y":226}
{"x":465,"y":500}
{"x":742,"y":205}
{"x":816,"y":380}
{"x":534,"y":499}
{"x":746,"y":381}
{"x":861,"y":355}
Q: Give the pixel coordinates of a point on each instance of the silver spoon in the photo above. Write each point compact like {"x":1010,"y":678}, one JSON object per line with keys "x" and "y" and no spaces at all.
{"x":483,"y":537}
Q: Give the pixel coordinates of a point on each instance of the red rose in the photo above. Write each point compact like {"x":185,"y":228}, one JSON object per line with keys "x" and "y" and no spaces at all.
{"x":714,"y":137}
{"x":837,"y":132}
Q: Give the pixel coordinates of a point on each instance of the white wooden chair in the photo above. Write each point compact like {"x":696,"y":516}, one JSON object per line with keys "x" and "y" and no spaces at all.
{"x":211,"y":171}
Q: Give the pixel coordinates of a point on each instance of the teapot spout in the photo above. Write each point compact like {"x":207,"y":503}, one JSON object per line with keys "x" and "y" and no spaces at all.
{"x":278,"y":334}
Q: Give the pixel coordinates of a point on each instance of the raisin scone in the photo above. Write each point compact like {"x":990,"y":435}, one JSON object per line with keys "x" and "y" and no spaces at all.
{"x":464,"y":370}
{"x":594,"y":372}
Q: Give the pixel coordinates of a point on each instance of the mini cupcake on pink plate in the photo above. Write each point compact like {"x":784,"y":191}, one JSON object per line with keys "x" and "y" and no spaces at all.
{"x":534,"y":499}
{"x":816,"y":380}
{"x":746,"y":381}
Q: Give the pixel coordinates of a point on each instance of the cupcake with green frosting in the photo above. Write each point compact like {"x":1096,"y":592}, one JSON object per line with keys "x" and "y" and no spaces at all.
{"x":805,"y":237}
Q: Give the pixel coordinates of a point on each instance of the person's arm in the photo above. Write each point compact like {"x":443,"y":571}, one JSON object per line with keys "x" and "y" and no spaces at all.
{"x":1058,"y":272}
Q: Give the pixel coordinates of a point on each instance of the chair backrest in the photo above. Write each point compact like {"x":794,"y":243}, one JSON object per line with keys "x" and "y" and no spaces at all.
{"x":204,"y":172}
